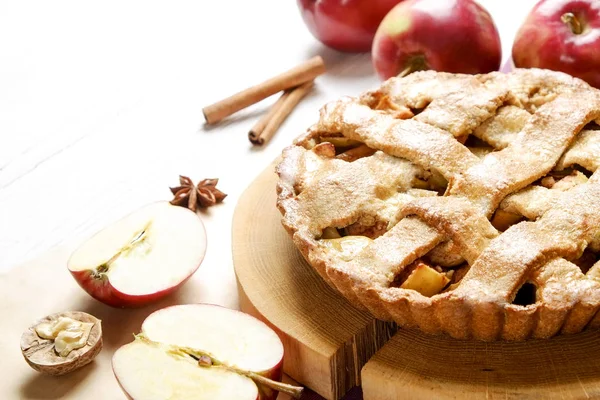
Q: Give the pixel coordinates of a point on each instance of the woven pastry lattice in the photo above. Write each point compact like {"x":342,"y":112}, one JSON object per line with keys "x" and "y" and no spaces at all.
{"x":462,"y":204}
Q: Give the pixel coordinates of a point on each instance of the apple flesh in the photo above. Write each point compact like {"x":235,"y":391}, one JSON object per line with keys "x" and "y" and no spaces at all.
{"x":146,"y":371}
{"x":346,"y":25}
{"x":142,"y":257}
{"x":426,"y":280}
{"x":200,"y":351}
{"x":456,"y":36}
{"x":561,"y":35}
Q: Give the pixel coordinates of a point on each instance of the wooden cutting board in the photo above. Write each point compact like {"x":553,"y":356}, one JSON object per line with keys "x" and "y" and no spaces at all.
{"x":331,"y":346}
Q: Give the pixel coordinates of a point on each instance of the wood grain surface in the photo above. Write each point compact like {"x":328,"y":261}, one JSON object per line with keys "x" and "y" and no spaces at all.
{"x":327,"y":340}
{"x":278,"y":285}
{"x":415,"y":366}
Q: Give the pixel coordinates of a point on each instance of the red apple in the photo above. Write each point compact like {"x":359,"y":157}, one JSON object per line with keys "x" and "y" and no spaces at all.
{"x":562,"y":35}
{"x":201,"y":351}
{"x":142,"y":257}
{"x":346,"y":25}
{"x":444,"y":35}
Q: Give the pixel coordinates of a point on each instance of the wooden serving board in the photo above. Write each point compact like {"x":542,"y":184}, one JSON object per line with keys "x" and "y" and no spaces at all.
{"x":327,"y":341}
{"x":331,"y":346}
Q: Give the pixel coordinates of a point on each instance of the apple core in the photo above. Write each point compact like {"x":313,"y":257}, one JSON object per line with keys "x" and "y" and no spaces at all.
{"x":142,"y":257}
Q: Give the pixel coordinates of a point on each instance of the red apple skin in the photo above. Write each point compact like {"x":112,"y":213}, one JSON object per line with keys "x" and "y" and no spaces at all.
{"x":545,"y":41}
{"x":103,"y":291}
{"x":456,"y":36}
{"x":345,"y":25}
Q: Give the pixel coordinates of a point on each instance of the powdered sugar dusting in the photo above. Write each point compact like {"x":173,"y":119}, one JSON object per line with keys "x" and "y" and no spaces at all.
{"x":342,"y":193}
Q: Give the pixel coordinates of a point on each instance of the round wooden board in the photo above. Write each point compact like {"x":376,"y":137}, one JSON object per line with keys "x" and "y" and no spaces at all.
{"x":330,"y":345}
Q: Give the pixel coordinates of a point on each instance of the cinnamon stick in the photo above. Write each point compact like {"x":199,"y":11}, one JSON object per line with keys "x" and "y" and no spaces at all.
{"x":259,"y":127}
{"x":298,"y":75}
{"x":266,"y":127}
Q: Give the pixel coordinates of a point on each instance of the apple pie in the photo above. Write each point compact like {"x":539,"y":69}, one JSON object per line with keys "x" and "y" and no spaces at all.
{"x":459,"y":204}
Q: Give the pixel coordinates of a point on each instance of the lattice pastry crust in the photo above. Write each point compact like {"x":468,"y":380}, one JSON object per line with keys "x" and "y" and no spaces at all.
{"x":462,"y":204}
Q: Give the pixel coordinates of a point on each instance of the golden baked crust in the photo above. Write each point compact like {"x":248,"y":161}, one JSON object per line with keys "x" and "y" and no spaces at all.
{"x":490,"y":180}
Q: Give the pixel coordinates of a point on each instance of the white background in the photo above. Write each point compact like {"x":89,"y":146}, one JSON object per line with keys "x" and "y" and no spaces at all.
{"x":100,"y":110}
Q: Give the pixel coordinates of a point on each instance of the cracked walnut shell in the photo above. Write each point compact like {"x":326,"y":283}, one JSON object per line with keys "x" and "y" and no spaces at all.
{"x":41,"y":355}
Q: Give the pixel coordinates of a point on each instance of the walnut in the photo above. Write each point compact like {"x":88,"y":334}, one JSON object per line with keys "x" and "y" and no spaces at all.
{"x":57,"y":344}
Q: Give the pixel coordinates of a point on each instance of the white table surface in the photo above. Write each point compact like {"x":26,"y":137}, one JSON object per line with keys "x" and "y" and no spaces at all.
{"x":100,"y":110}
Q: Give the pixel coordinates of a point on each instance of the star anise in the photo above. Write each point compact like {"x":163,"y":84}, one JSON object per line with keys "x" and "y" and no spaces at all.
{"x":204,"y":194}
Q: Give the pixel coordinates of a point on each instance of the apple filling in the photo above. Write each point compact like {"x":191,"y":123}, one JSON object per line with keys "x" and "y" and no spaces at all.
{"x":336,"y":145}
{"x":341,"y":142}
{"x":371,"y":226}
{"x":398,"y":111}
{"x":330,"y":233}
{"x":556,"y":181}
{"x":356,"y":153}
{"x":564,"y":182}
{"x":430,"y":180}
{"x":502,"y":220}
{"x":423,"y":278}
{"x":67,"y":333}
{"x":418,"y":276}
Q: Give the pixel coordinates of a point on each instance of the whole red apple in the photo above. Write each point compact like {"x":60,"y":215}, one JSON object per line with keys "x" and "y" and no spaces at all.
{"x":346,"y":25}
{"x":562,"y":35}
{"x":445,"y":35}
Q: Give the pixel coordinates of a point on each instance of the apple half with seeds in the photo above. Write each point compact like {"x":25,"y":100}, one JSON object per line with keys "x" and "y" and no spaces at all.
{"x":142,"y":257}
{"x":202,"y":351}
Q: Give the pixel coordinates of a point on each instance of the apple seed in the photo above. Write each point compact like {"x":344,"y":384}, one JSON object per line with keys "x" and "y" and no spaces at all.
{"x":207,"y":360}
{"x":101,"y":270}
{"x":204,"y":361}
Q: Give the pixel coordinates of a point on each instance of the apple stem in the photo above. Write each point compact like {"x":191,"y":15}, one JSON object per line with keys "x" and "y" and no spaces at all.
{"x":294,"y":391}
{"x":206,"y":360}
{"x":572,"y":22}
{"x":416,"y":62}
{"x":406,"y":71}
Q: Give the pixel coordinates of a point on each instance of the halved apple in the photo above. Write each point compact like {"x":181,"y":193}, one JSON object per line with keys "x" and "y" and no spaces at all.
{"x":201,"y":351}
{"x":142,"y":257}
